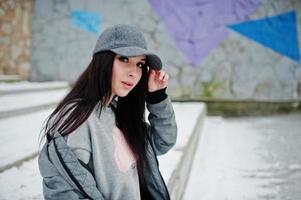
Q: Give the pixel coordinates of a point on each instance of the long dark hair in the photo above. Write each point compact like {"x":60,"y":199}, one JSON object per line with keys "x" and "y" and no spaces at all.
{"x":94,"y":86}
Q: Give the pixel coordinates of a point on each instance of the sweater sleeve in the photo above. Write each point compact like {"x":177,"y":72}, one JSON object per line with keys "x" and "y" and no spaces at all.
{"x":163,"y":127}
{"x":156,"y":96}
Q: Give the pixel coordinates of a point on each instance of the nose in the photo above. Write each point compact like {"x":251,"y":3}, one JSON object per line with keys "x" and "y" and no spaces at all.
{"x":133,"y":72}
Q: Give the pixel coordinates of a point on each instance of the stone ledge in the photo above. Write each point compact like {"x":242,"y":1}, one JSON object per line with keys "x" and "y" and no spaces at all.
{"x":10,"y":78}
{"x":247,"y":107}
{"x":27,"y":86}
{"x":178,"y":180}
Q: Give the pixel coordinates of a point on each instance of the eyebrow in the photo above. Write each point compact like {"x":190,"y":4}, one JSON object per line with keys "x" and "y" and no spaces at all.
{"x":143,"y":59}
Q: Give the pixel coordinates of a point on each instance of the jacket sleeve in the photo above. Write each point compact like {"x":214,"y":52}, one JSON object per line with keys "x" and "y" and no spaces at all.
{"x":55,"y":186}
{"x":163,"y":128}
{"x":64,"y":175}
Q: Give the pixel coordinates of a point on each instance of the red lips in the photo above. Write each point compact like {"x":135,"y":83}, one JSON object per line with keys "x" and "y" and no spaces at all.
{"x":127,"y":83}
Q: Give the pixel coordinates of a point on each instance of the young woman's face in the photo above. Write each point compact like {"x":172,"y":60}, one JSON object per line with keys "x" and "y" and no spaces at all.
{"x":126,"y":73}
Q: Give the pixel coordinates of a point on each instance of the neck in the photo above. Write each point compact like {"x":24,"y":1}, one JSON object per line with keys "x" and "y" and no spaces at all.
{"x":111,"y":99}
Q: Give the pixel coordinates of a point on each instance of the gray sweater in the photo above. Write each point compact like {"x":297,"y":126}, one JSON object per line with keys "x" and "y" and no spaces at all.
{"x":101,"y":145}
{"x":112,"y":172}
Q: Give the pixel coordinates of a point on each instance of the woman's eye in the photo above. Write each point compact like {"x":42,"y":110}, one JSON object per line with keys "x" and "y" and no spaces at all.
{"x":123,"y":59}
{"x":140,"y":65}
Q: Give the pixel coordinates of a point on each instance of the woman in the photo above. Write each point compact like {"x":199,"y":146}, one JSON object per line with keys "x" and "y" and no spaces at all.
{"x":98,"y":143}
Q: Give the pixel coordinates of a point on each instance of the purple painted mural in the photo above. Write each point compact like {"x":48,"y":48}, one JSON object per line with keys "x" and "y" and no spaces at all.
{"x":198,"y":26}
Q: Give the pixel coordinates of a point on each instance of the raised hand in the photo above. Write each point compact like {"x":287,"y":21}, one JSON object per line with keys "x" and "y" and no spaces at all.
{"x":157,"y":80}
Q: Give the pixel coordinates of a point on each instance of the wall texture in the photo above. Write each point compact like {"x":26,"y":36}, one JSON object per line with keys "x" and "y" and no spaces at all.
{"x":236,"y":49}
{"x":15,"y":37}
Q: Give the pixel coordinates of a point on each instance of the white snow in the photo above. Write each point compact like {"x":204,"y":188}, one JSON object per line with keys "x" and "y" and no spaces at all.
{"x":25,"y":86}
{"x":22,"y":131}
{"x":247,"y":158}
{"x":21,"y":183}
{"x":19,"y":137}
{"x":186,"y":117}
{"x":221,"y":161}
{"x":12,"y":102}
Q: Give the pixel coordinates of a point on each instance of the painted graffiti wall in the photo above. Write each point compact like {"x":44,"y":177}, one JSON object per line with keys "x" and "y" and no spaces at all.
{"x":236,"y":49}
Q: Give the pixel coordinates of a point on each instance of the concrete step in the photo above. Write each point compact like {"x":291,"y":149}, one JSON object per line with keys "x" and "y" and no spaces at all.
{"x":190,"y":117}
{"x":24,"y":98}
{"x":23,"y":108}
{"x":22,"y":143}
{"x":247,"y":158}
{"x":19,"y":138}
{"x":10,"y":78}
{"x":25,"y":86}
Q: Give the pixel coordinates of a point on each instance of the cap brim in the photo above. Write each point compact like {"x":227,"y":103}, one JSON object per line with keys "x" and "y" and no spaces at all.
{"x":152,"y":60}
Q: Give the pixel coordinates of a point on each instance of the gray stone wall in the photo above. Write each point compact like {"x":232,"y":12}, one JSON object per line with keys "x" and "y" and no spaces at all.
{"x":232,"y":66}
{"x":60,"y":50}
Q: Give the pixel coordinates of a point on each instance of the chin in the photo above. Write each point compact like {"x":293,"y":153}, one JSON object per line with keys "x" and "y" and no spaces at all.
{"x":123,"y":93}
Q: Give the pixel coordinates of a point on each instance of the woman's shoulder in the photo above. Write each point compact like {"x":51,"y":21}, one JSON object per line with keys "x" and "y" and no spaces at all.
{"x":79,"y":142}
{"x":80,"y":133}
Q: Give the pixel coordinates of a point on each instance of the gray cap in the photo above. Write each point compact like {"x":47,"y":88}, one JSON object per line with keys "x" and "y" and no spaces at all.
{"x":126,"y":40}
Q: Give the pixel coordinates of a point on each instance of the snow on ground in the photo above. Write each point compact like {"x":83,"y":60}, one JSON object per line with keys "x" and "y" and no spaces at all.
{"x":24,"y":86}
{"x":186,"y":116}
{"x":19,"y":136}
{"x":22,"y":131}
{"x":237,"y":158}
{"x":21,"y":183}
{"x":12,"y":102}
{"x":24,"y":182}
{"x":248,"y":158}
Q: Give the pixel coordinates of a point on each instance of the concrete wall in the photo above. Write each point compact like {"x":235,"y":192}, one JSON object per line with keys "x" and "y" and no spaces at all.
{"x":237,"y":49}
{"x":15,"y":37}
